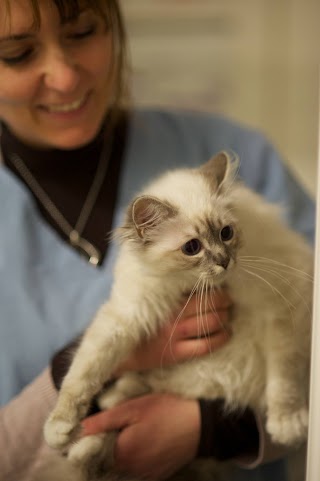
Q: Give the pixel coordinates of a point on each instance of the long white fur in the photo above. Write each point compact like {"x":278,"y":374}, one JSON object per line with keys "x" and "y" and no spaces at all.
{"x":264,"y":366}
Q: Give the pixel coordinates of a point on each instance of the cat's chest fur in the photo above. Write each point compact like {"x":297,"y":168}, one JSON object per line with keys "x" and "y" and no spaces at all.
{"x":271,"y":302}
{"x":238,"y":371}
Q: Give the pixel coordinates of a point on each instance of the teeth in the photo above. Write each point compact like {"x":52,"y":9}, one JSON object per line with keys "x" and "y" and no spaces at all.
{"x":66,"y":107}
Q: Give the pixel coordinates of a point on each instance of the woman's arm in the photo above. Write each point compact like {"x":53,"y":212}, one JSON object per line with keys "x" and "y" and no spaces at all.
{"x":21,"y":422}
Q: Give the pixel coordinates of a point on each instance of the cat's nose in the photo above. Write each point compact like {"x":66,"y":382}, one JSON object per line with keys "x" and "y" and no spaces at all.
{"x":223,"y":262}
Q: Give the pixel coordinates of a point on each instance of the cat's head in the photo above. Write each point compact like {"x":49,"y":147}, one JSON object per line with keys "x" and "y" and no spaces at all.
{"x":184,"y":223}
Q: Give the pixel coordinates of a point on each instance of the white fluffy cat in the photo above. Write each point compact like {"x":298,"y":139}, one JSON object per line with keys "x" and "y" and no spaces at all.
{"x":195,"y":230}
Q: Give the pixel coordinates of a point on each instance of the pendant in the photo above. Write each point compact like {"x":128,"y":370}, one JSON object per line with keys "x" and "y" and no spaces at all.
{"x":85,"y":248}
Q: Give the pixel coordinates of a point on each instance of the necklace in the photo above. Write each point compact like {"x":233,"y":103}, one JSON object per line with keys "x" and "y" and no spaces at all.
{"x":73,"y":233}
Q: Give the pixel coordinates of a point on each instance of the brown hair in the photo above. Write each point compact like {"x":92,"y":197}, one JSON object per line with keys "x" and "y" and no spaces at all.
{"x":110,"y":11}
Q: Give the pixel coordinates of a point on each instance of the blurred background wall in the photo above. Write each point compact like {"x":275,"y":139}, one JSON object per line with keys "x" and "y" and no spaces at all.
{"x":255,"y":61}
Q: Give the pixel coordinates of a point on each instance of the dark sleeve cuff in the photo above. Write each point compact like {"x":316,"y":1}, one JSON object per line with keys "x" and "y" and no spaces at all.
{"x":61,"y":362}
{"x":60,"y":365}
{"x":227,"y":434}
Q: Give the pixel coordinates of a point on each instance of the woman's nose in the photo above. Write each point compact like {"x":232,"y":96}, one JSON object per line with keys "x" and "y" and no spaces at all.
{"x":61,"y":73}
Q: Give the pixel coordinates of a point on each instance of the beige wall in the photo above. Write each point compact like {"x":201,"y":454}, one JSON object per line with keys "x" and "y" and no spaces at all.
{"x":253,"y":60}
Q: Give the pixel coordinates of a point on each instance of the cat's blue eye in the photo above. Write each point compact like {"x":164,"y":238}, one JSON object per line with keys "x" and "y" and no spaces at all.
{"x":226,"y":233}
{"x":192,"y":247}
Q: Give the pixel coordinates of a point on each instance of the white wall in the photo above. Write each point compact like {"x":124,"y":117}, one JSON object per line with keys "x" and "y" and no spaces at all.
{"x":253,"y":60}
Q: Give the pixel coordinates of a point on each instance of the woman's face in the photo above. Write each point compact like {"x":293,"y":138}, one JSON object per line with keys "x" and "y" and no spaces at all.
{"x":56,"y":83}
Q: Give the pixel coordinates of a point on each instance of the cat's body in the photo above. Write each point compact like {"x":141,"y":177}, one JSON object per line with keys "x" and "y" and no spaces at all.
{"x":191,"y":225}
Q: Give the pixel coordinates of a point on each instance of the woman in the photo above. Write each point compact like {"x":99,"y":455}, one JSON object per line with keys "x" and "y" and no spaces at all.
{"x":73,"y":154}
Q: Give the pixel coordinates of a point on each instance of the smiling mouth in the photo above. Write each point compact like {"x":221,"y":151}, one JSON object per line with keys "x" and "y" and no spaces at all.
{"x":68,"y":107}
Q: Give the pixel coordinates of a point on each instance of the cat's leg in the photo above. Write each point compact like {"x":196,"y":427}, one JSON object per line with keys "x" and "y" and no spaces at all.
{"x":94,"y":454}
{"x":287,"y":385}
{"x":287,"y":414}
{"x":106,"y":343}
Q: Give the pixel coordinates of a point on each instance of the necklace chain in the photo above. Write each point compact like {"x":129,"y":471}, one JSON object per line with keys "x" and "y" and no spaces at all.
{"x":73,"y":233}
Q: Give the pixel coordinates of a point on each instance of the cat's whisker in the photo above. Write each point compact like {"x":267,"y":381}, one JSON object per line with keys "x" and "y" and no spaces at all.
{"x":285,"y":281}
{"x":175,"y":323}
{"x":214,"y":310}
{"x":282,"y":269}
{"x":203,"y":315}
{"x":266,"y":268}
{"x":291,"y":307}
{"x":201,"y":307}
{"x":198,"y":304}
{"x":274,"y":270}
{"x":263,"y":260}
{"x":274,"y":289}
{"x":284,"y":276}
{"x":212,"y":303}
{"x":206,"y":325}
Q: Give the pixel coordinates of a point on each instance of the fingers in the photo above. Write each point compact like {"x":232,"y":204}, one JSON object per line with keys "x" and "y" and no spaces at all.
{"x":204,"y":325}
{"x":118,"y":418}
{"x":188,"y":349}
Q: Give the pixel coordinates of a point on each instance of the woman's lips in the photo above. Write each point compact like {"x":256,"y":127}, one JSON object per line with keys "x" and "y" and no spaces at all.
{"x":66,"y":107}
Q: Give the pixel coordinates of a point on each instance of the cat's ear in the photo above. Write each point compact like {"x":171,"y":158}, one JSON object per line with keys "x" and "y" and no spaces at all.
{"x":148,"y":213}
{"x":220,"y":169}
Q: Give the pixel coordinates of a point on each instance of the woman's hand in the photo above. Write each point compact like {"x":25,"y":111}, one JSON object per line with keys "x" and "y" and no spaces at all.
{"x":159,"y":434}
{"x":187,"y":336}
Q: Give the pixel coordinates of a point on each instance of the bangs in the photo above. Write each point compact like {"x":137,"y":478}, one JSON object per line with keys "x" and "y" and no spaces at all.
{"x":70,"y":9}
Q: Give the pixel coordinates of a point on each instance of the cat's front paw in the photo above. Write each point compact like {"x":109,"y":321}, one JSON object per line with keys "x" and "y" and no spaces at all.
{"x":86,"y":448}
{"x":288,"y":427}
{"x":59,"y":432}
{"x":93,"y":455}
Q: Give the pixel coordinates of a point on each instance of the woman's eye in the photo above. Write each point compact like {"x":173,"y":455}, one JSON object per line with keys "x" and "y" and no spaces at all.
{"x":226,"y":233}
{"x":16,"y":59}
{"x":192,"y":247}
{"x":83,"y":33}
